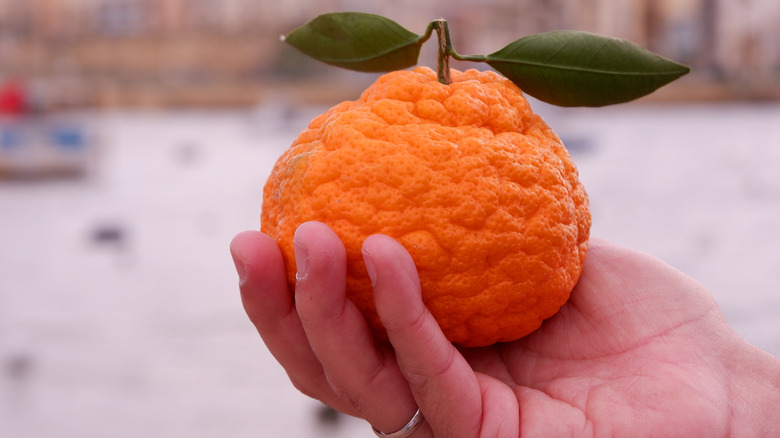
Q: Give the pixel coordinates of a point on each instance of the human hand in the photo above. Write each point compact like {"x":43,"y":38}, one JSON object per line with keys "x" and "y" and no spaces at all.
{"x":639,"y":349}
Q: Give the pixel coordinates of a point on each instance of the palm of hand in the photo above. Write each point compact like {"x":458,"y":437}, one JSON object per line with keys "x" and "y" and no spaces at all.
{"x":625,"y":355}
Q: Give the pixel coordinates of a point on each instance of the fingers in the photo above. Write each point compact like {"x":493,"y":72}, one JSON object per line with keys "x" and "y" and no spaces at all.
{"x":262,"y":278}
{"x":444,"y":385}
{"x":269,"y":305}
{"x":365,"y":378}
{"x":327,"y":349}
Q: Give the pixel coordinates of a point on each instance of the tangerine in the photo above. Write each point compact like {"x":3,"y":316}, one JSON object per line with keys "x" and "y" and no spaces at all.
{"x":474,"y":184}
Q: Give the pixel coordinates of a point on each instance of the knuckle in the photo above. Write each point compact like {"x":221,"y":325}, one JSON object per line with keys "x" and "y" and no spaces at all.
{"x":348,"y":398}
{"x":304,"y":388}
{"x":422,"y":378}
{"x":356,"y":390}
{"x":312,"y":385}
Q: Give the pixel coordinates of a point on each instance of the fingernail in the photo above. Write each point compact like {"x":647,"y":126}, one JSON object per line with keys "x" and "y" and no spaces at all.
{"x":368,"y":260}
{"x":240,"y":269}
{"x":301,"y":261}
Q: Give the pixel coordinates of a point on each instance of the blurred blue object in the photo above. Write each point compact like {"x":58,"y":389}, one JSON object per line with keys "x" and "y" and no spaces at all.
{"x":44,"y":146}
{"x":68,"y":136}
{"x":10,"y":138}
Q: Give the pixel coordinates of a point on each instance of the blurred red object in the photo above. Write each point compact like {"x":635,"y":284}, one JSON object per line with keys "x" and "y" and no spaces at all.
{"x":13,"y":98}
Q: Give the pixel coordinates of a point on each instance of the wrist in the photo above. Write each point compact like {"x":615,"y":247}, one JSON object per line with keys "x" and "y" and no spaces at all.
{"x":754,"y":391}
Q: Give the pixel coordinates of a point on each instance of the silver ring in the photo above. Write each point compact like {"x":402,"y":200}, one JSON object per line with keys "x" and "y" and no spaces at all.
{"x":405,"y":431}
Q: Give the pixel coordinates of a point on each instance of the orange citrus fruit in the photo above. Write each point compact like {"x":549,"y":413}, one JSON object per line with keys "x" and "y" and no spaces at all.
{"x":478,"y":188}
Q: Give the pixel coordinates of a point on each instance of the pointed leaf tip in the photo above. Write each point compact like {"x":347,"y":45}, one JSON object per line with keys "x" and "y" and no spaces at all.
{"x":573,"y":68}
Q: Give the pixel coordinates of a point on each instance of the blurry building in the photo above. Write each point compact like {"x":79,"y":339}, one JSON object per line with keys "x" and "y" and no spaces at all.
{"x":211,"y":51}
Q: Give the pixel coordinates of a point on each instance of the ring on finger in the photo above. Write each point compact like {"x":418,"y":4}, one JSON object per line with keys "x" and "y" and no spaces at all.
{"x":405,"y":431}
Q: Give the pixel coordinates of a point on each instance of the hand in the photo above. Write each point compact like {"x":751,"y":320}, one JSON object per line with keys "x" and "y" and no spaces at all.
{"x":639,"y":349}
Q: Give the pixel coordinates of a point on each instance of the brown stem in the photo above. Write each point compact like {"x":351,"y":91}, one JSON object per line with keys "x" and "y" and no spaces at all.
{"x":443,"y":55}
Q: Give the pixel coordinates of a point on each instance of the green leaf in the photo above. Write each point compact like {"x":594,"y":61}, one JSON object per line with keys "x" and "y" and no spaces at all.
{"x":572,"y":68}
{"x":357,"y":41}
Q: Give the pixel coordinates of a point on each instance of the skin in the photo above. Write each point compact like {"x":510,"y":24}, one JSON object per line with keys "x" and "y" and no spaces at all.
{"x":640,"y":349}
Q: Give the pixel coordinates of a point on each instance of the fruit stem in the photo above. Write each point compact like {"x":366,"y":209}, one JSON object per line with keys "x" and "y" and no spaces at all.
{"x":445,"y":49}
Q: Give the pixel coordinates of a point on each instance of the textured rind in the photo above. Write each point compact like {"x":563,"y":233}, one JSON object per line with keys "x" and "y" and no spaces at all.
{"x":478,"y":188}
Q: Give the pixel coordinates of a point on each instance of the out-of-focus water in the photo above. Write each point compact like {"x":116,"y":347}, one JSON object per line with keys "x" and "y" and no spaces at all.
{"x":119,"y":308}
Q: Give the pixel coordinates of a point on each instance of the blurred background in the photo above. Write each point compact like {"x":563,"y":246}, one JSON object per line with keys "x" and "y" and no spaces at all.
{"x":136,"y":135}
